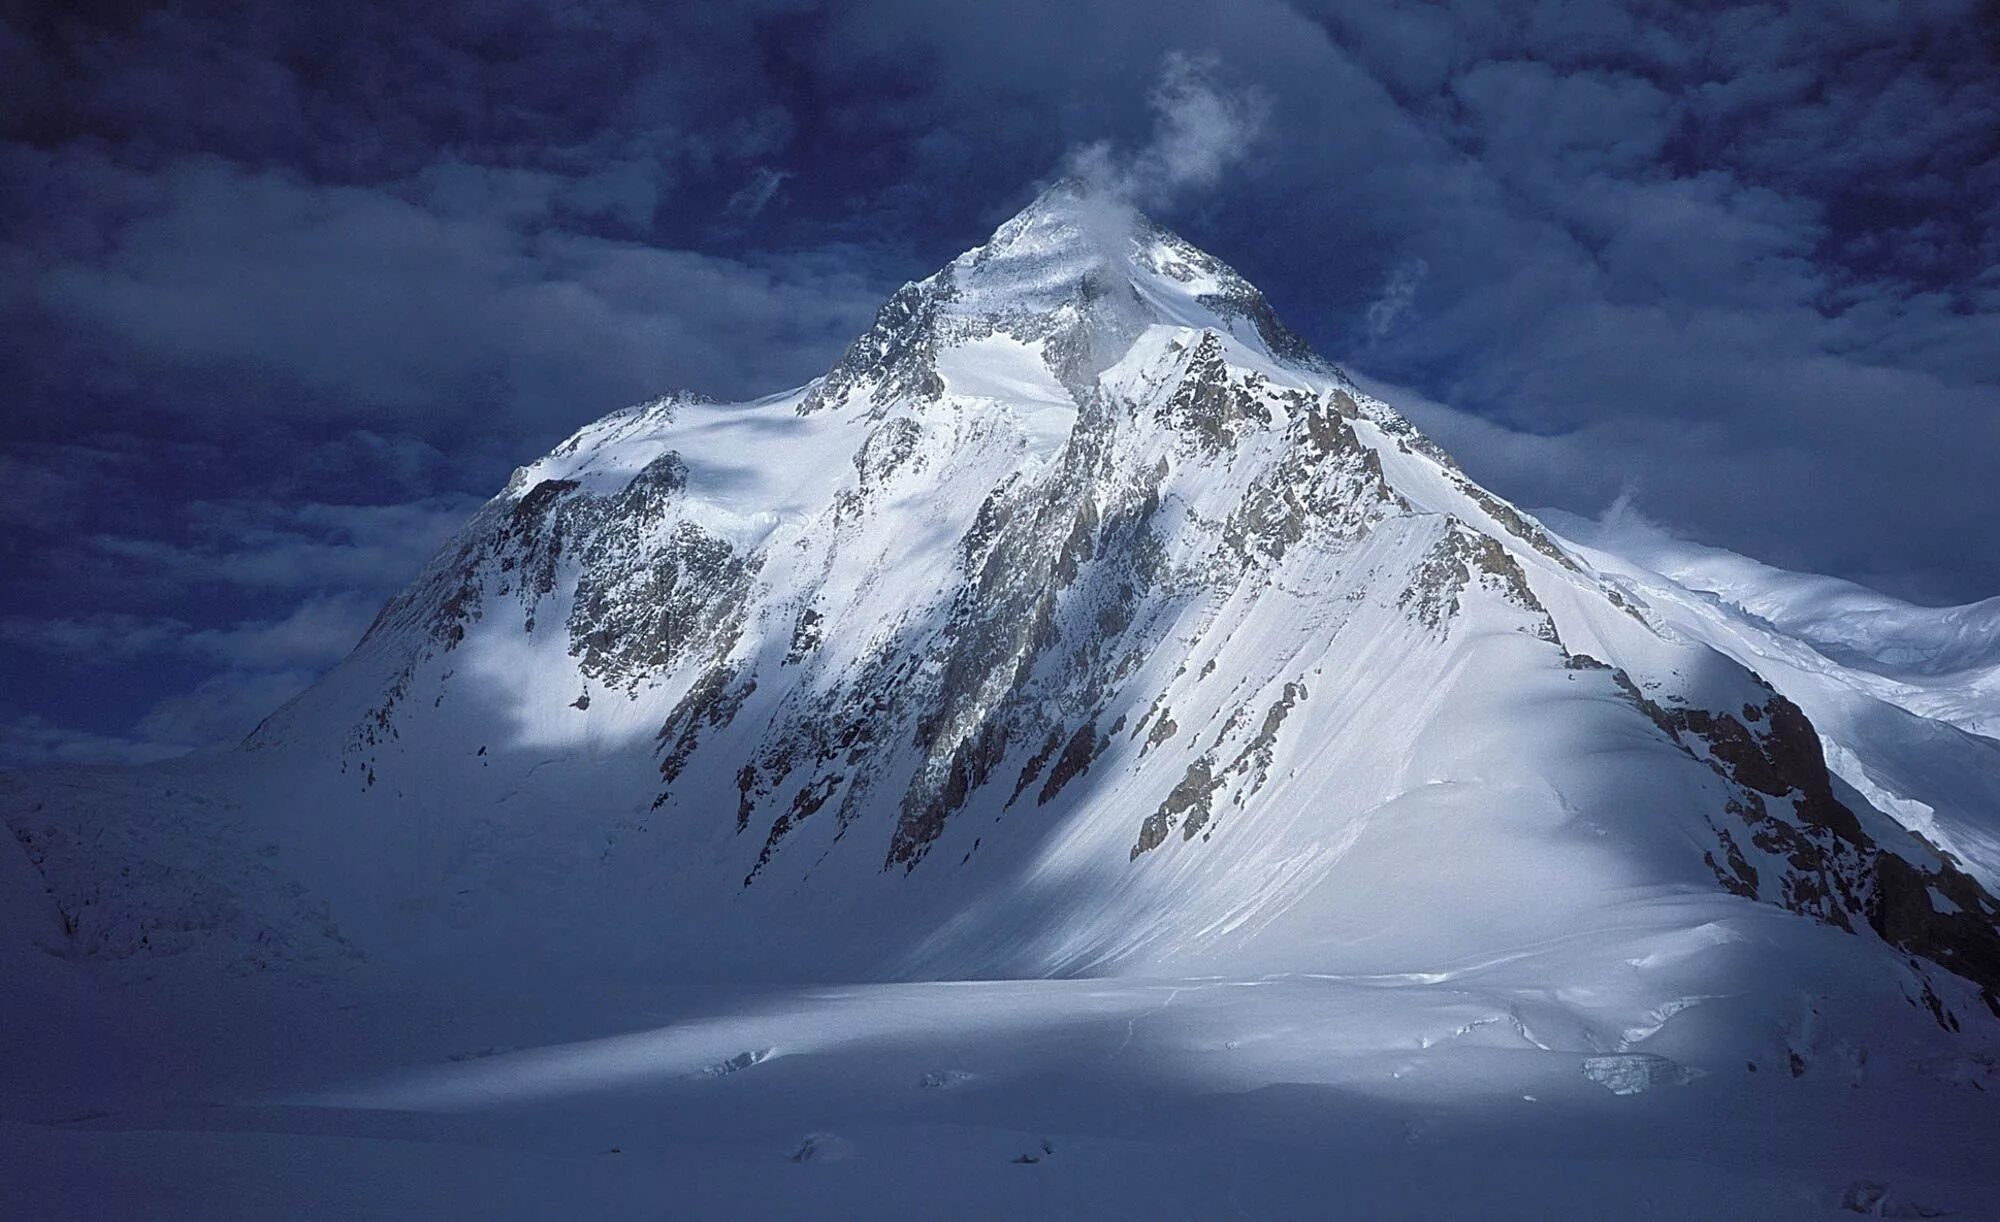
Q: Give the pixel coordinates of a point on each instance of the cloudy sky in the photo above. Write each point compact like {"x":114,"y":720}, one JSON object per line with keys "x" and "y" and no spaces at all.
{"x":286,"y":290}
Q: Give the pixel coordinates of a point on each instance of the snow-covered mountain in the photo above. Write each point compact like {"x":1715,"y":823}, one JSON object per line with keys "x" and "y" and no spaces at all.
{"x":1081,"y":622}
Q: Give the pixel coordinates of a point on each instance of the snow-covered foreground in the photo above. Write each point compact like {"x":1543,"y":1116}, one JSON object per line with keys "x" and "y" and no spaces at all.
{"x":1473,"y":1094}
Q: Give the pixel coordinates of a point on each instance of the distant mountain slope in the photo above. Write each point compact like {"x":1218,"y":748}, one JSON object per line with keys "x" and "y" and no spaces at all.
{"x":1906,"y":698}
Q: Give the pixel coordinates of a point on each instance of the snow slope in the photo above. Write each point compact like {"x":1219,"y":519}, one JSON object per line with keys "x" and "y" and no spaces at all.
{"x":1083,"y":634}
{"x":1906,"y":699}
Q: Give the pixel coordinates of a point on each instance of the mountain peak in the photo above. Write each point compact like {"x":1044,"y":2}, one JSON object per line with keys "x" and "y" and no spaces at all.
{"x":1071,"y":217}
{"x":1066,"y":196}
{"x":1081,"y":274}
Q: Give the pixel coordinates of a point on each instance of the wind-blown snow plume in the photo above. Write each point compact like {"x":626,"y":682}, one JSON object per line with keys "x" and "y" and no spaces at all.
{"x":1625,"y":528}
{"x":1199,"y":130}
{"x":1398,"y":299}
{"x":754,"y":196}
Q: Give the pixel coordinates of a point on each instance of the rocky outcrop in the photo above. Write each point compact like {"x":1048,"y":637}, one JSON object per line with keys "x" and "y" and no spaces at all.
{"x":1821,"y":861}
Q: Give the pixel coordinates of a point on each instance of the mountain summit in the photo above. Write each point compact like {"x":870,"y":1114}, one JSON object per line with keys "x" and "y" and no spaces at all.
{"x":1080,"y":620}
{"x":1082,"y":275}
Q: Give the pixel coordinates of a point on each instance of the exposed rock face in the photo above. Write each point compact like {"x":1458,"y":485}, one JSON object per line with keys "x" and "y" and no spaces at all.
{"x":1079,"y":546}
{"x":1828,"y":867}
{"x":895,"y":358}
{"x":1187,"y":804}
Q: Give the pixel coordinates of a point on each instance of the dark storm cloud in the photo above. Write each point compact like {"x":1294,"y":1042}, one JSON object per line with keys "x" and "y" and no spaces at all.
{"x":233,"y":676}
{"x":284,"y":288}
{"x":314,"y":569}
{"x":263,"y":545}
{"x":451,"y":292}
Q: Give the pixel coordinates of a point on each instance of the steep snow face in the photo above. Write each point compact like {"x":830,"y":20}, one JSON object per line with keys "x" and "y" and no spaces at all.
{"x":1079,"y":621}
